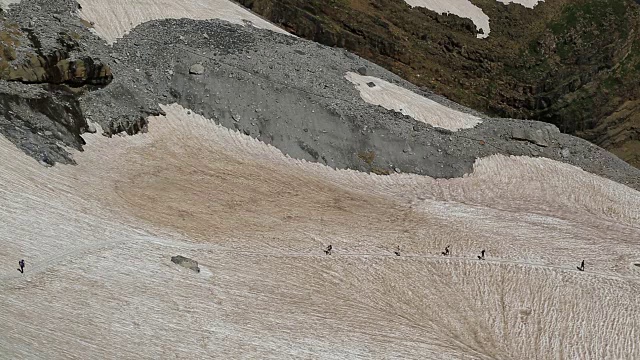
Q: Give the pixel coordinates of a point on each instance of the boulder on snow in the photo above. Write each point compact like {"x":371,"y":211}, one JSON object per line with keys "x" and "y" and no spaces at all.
{"x":185,"y":262}
{"x":362,"y":71}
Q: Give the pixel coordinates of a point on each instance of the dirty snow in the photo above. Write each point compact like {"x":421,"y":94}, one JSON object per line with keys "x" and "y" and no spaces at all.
{"x":114,"y":18}
{"x":98,"y":237}
{"x":393,"y":97}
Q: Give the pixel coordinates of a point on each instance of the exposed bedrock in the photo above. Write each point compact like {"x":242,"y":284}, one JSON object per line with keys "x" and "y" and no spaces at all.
{"x":45,"y":67}
{"x":40,"y":120}
{"x":57,"y":68}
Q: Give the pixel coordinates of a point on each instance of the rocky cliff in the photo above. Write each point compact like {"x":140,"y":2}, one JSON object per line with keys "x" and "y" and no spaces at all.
{"x":575,"y":64}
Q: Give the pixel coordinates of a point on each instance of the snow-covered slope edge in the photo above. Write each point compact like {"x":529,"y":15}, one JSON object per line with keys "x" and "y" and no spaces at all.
{"x":115,"y":18}
{"x":98,"y":237}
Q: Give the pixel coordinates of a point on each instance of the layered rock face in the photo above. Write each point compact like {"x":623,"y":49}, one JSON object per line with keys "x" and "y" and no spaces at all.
{"x":57,"y":68}
{"x":23,"y":58}
{"x":575,"y":64}
{"x":44,"y":72}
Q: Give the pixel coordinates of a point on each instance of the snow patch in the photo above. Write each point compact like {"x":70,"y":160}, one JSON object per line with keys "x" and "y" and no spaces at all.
{"x":393,"y":97}
{"x":526,"y":3}
{"x":466,"y":9}
{"x":462,"y":8}
{"x":113,"y":19}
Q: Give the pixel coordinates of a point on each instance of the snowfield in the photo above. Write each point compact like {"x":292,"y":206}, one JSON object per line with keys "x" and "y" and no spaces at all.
{"x":466,"y":9}
{"x":393,"y":97}
{"x":113,"y":19}
{"x":98,"y":237}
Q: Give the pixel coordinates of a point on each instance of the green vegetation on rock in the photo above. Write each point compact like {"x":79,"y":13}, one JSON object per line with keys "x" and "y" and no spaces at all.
{"x":571,"y":63}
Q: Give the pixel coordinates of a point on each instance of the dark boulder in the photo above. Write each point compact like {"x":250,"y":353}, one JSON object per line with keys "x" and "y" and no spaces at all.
{"x":185,"y":262}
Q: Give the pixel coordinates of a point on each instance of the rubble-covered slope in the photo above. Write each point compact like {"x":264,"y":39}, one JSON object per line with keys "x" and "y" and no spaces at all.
{"x":571,"y":63}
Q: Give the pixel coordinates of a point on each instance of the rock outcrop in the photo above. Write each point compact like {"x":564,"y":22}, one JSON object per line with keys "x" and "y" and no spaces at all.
{"x":37,"y":120}
{"x":57,"y":68}
{"x":23,"y":58}
{"x":541,"y":137}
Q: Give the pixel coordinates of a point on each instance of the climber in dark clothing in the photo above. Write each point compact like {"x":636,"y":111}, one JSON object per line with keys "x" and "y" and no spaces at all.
{"x":446,"y":251}
{"x":481,"y":256}
{"x":397,"y":252}
{"x":21,"y":263}
{"x":581,"y":267}
{"x":327,"y":251}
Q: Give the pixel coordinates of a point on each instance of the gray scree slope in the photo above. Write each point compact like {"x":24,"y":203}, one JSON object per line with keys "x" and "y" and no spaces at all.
{"x":285,"y":91}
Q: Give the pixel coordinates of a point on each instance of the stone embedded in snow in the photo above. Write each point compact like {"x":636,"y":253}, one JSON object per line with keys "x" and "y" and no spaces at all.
{"x":196,"y":69}
{"x":91,"y":128}
{"x":394,"y":97}
{"x":186,"y":263}
{"x":541,"y":137}
{"x":362,"y":70}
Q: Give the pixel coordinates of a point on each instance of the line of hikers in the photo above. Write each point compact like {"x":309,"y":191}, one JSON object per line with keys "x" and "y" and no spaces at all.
{"x":328,"y":250}
{"x":446,"y":252}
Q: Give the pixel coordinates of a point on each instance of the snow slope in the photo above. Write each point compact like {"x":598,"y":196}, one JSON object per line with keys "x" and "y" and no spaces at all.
{"x":112,"y":19}
{"x":98,"y":238}
{"x":393,"y":97}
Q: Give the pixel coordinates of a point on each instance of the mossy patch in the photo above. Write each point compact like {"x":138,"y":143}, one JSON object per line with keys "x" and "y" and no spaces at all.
{"x":367,"y":156}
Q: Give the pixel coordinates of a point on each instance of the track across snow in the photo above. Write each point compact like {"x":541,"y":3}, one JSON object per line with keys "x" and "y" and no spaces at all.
{"x":98,"y":238}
